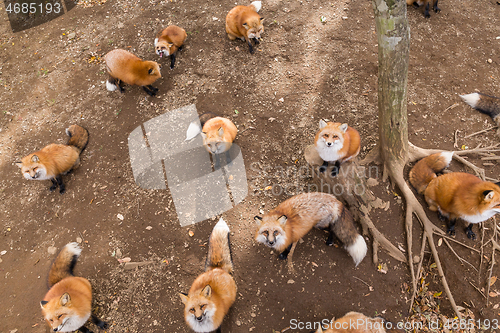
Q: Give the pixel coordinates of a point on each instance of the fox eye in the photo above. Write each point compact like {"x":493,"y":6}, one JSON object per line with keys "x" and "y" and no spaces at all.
{"x":59,"y":317}
{"x":335,"y":136}
{"x":275,"y":233}
{"x":266,"y":233}
{"x":192,"y":310}
{"x":51,"y":320}
{"x":203,"y":307}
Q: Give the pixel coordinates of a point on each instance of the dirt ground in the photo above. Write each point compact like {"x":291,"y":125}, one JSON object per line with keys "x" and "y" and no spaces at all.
{"x":51,"y":76}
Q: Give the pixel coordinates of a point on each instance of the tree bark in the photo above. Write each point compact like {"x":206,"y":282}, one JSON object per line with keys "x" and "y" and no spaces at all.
{"x":393,"y":57}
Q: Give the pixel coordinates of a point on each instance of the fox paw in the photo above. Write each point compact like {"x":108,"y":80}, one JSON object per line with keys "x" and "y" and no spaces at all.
{"x":322,"y":169}
{"x":335,"y":172}
{"x":283,"y":256}
{"x":470,"y":234}
{"x":52,"y":188}
{"x":451,"y":231}
{"x":329,"y":242}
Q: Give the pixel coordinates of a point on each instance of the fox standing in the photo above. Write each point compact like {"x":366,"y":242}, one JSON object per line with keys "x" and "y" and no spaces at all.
{"x":67,"y":305}
{"x":213,"y":292}
{"x":295,"y":217}
{"x":56,"y":159}
{"x":169,"y":41}
{"x":486,"y":104}
{"x":124,"y":66}
{"x":336,"y":142}
{"x":456,"y":194}
{"x":243,"y":22}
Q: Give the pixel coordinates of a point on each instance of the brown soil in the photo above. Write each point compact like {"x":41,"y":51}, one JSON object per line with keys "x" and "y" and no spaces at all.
{"x":302,"y":71}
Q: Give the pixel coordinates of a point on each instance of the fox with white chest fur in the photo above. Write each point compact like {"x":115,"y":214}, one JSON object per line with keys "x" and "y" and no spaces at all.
{"x":295,"y":217}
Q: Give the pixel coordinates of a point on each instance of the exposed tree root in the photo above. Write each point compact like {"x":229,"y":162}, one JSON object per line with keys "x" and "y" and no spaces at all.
{"x":495,"y":247}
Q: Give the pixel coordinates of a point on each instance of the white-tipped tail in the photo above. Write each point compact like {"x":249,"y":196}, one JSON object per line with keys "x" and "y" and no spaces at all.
{"x":257,"y":5}
{"x":192,"y":131}
{"x":73,"y":248}
{"x":110,"y":86}
{"x":221,"y":226}
{"x":471,"y":99}
{"x":448,"y":156}
{"x":357,"y":250}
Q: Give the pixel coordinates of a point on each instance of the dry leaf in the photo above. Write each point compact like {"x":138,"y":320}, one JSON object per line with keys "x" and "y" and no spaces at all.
{"x":493,"y":280}
{"x":127,"y":259}
{"x":493,"y":294}
{"x":191,"y":233}
{"x":440,"y":241}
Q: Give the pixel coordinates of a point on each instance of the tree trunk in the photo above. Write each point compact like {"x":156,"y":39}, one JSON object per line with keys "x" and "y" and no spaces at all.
{"x":393,"y":56}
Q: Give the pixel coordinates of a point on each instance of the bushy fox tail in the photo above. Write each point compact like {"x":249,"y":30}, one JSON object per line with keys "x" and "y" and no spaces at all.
{"x":219,"y":249}
{"x":257,"y":5}
{"x":346,"y":232}
{"x":64,"y":264}
{"x":425,"y":170}
{"x":485,"y":104}
{"x":78,"y":137}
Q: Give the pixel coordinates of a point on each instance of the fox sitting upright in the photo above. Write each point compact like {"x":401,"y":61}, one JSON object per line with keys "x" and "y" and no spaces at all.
{"x":243,"y":22}
{"x":213,"y":292}
{"x":67,"y":305}
{"x":123,"y":66}
{"x":456,"y":194}
{"x":56,"y":159}
{"x":169,"y":41}
{"x":336,"y":142}
{"x":295,"y":217}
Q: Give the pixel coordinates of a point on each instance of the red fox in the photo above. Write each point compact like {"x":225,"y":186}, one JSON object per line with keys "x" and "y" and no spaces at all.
{"x":123,"y":66}
{"x":243,"y":22}
{"x":295,"y":217}
{"x":336,"y":142}
{"x":168,"y":41}
{"x":418,"y":3}
{"x":455,"y":195}
{"x":213,"y":292}
{"x":67,"y":305}
{"x":218,"y":134}
{"x":489,"y":105}
{"x":56,"y":159}
{"x":355,"y":322}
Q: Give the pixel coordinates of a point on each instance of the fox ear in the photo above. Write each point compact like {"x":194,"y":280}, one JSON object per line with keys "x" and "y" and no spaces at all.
{"x":183,"y":297}
{"x":19,"y":164}
{"x":65,"y":299}
{"x":246,"y":26}
{"x":35,"y":159}
{"x":42,"y":304}
{"x":282,"y":220}
{"x":320,"y":330}
{"x":169,"y":45}
{"x":207,"y":291}
{"x":220,"y":131}
{"x":488,"y":195}
{"x":322,"y":124}
{"x":203,"y":135}
{"x":343,"y":127}
{"x":257,"y":219}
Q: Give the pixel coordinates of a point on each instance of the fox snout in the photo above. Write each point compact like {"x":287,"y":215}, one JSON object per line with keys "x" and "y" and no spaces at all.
{"x":200,"y":318}
{"x":329,"y":144}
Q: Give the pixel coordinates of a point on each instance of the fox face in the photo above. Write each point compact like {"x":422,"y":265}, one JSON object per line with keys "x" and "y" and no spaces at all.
{"x":31,"y":168}
{"x":163,"y":48}
{"x":488,"y":207}
{"x":199,"y":310}
{"x":271,"y":231}
{"x":254,"y":28}
{"x":61,"y":316}
{"x":215,"y":142}
{"x":330,"y":140}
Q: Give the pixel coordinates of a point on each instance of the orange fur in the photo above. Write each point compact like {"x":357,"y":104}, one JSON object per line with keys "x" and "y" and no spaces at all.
{"x":126,"y":67}
{"x":67,"y":305}
{"x":243,"y":22}
{"x":331,"y":132}
{"x":170,"y":38}
{"x":424,"y":171}
{"x":426,"y":4}
{"x":212,"y":293}
{"x":218,"y":135}
{"x":55,"y":159}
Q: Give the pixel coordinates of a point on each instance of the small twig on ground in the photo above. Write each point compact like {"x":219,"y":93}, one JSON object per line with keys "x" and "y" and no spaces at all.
{"x":369,"y":287}
{"x":479,"y":291}
{"x":455,"y":144}
{"x":476,"y":133}
{"x":462,"y":260}
{"x":495,"y":247}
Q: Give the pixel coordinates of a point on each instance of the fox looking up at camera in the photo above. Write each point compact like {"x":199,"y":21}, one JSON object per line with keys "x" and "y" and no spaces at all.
{"x":295,"y":217}
{"x":169,"y":41}
{"x":244,"y":23}
{"x":213,"y":292}
{"x":456,"y":194}
{"x":55,"y":160}
{"x":68,"y":304}
{"x":336,"y":143}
